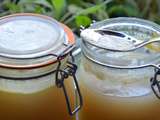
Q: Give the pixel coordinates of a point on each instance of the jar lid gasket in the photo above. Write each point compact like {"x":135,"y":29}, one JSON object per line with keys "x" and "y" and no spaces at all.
{"x":27,"y":36}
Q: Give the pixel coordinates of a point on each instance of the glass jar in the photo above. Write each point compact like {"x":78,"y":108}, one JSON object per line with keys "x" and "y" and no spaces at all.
{"x":37,"y":71}
{"x":121,"y":85}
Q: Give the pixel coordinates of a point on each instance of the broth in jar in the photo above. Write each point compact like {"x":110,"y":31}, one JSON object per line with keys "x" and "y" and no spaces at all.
{"x":37,"y":74}
{"x":116,"y":85}
{"x":104,"y":103}
{"x":48,"y":104}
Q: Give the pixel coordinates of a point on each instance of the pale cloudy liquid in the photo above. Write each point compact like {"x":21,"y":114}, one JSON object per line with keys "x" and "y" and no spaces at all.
{"x":116,"y":100}
{"x":48,"y":104}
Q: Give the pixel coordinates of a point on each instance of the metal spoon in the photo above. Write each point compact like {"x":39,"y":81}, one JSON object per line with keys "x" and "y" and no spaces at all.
{"x":142,"y":44}
{"x":114,"y":40}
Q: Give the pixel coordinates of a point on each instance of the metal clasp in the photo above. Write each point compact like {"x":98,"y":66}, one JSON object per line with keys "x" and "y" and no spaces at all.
{"x":155,"y":83}
{"x":62,"y":75}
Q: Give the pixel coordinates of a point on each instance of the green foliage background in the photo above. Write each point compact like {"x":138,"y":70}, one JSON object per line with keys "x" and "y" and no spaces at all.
{"x":81,"y":12}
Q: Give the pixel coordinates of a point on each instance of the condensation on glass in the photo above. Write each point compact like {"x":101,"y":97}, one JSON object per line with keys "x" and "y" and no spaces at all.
{"x":115,"y":80}
{"x":36,"y":68}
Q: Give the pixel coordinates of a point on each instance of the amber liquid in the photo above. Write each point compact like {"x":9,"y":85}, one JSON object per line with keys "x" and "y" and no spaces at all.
{"x":103,"y":107}
{"x":99,"y":105}
{"x":49,"y":104}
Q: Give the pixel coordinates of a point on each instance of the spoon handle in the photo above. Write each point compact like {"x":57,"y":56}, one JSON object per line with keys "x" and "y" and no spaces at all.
{"x":157,"y":39}
{"x":137,"y":42}
{"x":139,"y":45}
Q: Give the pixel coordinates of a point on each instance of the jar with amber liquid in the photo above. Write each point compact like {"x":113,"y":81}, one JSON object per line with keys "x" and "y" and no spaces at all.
{"x":37,"y":71}
{"x":120,"y":85}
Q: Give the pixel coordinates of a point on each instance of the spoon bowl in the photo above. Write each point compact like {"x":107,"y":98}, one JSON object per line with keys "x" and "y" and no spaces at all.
{"x":114,"y":40}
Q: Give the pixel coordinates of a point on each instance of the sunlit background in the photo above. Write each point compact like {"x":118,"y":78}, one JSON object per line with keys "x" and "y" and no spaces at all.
{"x":81,"y":12}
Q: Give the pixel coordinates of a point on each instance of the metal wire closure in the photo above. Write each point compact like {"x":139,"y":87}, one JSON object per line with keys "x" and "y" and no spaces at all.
{"x":61,"y":75}
{"x":155,"y":83}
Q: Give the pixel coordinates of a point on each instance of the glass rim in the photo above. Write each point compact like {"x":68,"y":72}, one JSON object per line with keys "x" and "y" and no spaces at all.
{"x":67,"y":31}
{"x":116,"y":21}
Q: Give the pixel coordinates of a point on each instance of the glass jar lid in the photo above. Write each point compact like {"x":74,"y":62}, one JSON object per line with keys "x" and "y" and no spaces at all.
{"x":138,"y":28}
{"x":25,"y":38}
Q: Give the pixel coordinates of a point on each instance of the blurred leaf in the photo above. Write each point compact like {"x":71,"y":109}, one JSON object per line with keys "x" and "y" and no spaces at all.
{"x":59,"y":6}
{"x":80,"y":12}
{"x":38,"y":9}
{"x":40,"y":2}
{"x":80,"y":3}
{"x":122,"y":10}
{"x":146,"y":8}
{"x":155,"y":18}
{"x":102,"y":14}
{"x":133,"y":3}
{"x":132,"y":10}
{"x":13,"y":8}
{"x":74,"y":8}
{"x":28,"y":8}
{"x":87,"y":11}
{"x":158,"y":3}
{"x":83,"y":20}
{"x":92,"y":9}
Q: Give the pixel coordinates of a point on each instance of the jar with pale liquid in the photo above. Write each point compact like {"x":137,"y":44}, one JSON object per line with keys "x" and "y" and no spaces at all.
{"x":37,"y":73}
{"x":119,"y":85}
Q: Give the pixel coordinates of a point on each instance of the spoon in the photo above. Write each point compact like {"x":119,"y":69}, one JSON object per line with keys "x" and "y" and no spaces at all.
{"x":114,"y":40}
{"x":142,"y":44}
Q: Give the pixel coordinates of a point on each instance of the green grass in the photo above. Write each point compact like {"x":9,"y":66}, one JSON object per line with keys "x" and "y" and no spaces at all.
{"x":81,"y":12}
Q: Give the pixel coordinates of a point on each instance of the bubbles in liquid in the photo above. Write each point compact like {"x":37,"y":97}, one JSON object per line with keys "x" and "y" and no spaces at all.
{"x":100,"y":82}
{"x":116,"y":82}
{"x":27,"y":86}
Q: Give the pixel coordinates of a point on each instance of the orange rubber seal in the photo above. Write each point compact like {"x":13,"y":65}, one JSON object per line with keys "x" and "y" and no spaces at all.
{"x":68,"y":31}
